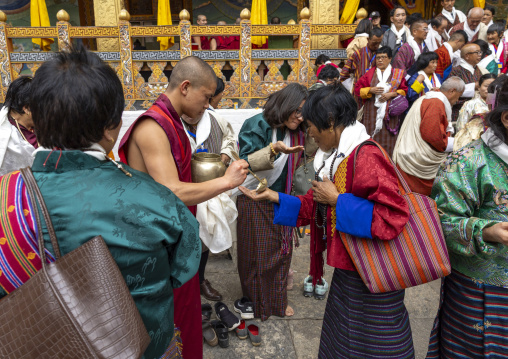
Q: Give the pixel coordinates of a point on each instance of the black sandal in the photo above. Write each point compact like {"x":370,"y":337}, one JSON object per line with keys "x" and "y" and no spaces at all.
{"x":206,"y":310}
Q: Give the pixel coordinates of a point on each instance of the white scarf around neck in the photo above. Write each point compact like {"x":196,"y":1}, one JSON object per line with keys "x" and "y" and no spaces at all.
{"x":454,"y":13}
{"x":202,"y":131}
{"x":450,"y":50}
{"x":381,"y":106}
{"x":433,"y":40}
{"x":414,"y":45}
{"x":498,"y":147}
{"x":499,"y":52}
{"x":467,"y":66}
{"x":428,"y":82}
{"x":398,"y":33}
{"x":101,"y":156}
{"x":448,"y":107}
{"x":470,"y":33}
{"x":350,"y":138}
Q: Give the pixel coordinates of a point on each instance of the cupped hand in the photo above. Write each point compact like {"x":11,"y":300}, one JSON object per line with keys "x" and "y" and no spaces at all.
{"x":376,"y":90}
{"x":497,"y":233}
{"x":325,"y":192}
{"x":280,"y":146}
{"x":236,"y":173}
{"x":266,"y":195}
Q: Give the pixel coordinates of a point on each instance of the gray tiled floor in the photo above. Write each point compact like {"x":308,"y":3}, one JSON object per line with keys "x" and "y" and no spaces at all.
{"x":298,"y":336}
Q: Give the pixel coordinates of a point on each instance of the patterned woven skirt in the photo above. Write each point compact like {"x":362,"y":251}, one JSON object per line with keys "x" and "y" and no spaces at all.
{"x":359,"y":324}
{"x":262,"y":266}
{"x":472,"y":321}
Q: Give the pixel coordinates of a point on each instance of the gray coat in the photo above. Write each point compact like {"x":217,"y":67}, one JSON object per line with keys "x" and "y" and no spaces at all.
{"x":389,"y":39}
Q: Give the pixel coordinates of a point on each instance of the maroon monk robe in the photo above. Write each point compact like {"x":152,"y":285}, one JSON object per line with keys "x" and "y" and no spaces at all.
{"x":187,"y":298}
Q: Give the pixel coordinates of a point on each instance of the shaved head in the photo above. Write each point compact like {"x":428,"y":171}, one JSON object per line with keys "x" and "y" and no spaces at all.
{"x":475,"y":12}
{"x":194,"y":70}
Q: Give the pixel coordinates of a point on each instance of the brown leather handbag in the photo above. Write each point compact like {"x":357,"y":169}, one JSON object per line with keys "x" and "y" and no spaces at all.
{"x":76,"y":307}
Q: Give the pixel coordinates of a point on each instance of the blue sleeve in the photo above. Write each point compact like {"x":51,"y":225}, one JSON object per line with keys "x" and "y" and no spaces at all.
{"x":447,"y":71}
{"x":286,"y":211}
{"x":354,"y":215}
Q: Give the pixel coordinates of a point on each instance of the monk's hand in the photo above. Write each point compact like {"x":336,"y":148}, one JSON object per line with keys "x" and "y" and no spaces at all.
{"x":236,"y":173}
{"x":225,"y":159}
{"x":376,"y":90}
{"x":325,"y":192}
{"x":266,"y":195}
{"x":280,"y":146}
{"x":497,"y":233}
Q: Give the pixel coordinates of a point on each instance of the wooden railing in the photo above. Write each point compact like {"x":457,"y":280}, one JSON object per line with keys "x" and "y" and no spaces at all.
{"x":144,"y":74}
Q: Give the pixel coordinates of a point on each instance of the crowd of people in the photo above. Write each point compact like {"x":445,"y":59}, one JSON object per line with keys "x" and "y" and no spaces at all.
{"x":424,"y":100}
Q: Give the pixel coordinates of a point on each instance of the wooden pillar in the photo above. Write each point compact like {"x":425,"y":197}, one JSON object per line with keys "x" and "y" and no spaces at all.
{"x":304,"y":48}
{"x":125,"y":41}
{"x":63,"y":25}
{"x":185,"y":36}
{"x":324,"y":12}
{"x":245,"y":54}
{"x":107,"y":13}
{"x":5,"y":58}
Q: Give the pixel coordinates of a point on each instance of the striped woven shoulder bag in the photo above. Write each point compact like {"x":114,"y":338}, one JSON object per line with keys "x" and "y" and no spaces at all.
{"x":417,"y":255}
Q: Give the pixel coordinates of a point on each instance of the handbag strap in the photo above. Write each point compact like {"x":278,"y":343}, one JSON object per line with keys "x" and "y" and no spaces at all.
{"x":403,"y":186}
{"x":35,"y":193}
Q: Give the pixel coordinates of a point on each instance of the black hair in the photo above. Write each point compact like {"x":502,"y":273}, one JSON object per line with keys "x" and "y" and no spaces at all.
{"x":376,"y":31}
{"x":502,"y":94}
{"x":422,"y":62}
{"x":415,"y":23}
{"x":18,"y":94}
{"x":484,"y":46}
{"x":321,"y":59}
{"x":459,"y":33}
{"x":494,"y":119}
{"x":328,"y":72}
{"x":332,"y":104}
{"x":275,"y":20}
{"x":485,"y":77}
{"x":281,"y":104}
{"x":437,"y":21}
{"x":491,"y":9}
{"x":495,"y":28}
{"x":220,"y":87}
{"x":385,"y":50}
{"x":395,"y":8}
{"x":364,"y":26}
{"x":75,"y":98}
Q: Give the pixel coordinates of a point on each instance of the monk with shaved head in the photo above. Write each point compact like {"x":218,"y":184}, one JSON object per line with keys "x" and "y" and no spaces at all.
{"x":473,"y":25}
{"x":156,"y":143}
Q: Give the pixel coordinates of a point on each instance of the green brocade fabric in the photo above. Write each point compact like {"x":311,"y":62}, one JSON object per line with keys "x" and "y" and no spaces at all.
{"x":471,"y":191}
{"x":256,"y":134}
{"x":141,"y":221}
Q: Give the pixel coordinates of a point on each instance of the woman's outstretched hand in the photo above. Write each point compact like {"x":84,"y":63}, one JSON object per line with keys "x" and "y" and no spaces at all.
{"x":266,"y":195}
{"x":280,"y":146}
{"x":325,"y":192}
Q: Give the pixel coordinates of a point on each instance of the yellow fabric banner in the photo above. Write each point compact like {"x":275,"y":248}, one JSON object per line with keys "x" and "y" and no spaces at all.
{"x":164,"y":18}
{"x":39,"y":17}
{"x":349,"y":12}
{"x":259,"y":16}
{"x":479,"y":3}
{"x":413,"y":6}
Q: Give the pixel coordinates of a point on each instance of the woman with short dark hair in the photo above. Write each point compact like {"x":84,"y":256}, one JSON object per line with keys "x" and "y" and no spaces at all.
{"x":271,"y":142}
{"x":498,"y":46}
{"x":76,"y":104}
{"x":488,"y":61}
{"x":358,"y":197}
{"x":423,"y":77}
{"x":470,"y":192}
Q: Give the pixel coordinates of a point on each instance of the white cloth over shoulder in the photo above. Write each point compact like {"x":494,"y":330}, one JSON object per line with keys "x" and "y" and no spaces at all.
{"x":381,"y":106}
{"x":15,"y":152}
{"x":496,"y":145}
{"x":350,"y":138}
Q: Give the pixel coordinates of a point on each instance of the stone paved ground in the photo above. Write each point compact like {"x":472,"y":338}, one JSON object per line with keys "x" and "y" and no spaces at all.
{"x":298,"y":337}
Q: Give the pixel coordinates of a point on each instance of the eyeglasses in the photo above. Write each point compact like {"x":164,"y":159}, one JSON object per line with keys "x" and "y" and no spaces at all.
{"x":479,"y":53}
{"x":382,"y":57}
{"x":298,"y":112}
{"x":426,"y":29}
